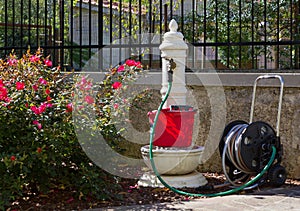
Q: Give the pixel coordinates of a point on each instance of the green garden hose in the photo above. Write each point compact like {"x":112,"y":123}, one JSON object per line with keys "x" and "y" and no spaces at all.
{"x":252,"y":181}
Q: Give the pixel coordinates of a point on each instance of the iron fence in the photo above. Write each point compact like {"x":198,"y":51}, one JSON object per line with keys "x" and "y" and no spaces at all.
{"x":226,"y":35}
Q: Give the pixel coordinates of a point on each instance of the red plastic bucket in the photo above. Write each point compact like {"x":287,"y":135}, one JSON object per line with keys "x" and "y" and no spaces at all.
{"x":174,"y":127}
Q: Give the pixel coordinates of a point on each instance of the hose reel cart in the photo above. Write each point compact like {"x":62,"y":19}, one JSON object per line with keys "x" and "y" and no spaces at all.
{"x":246,"y":148}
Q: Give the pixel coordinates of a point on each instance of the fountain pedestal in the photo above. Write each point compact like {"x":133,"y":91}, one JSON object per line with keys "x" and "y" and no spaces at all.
{"x":176,"y":165}
{"x":191,"y":180}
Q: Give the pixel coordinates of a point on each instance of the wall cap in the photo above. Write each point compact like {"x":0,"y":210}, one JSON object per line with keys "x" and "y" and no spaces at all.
{"x":215,"y":79}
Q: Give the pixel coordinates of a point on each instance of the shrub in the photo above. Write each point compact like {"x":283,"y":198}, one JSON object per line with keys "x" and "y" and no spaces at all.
{"x":38,"y":145}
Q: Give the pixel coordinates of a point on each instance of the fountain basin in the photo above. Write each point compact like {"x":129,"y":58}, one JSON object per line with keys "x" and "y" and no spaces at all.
{"x":173,"y":161}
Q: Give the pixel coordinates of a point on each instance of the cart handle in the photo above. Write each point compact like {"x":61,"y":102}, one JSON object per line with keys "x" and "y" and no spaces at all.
{"x":269,"y":76}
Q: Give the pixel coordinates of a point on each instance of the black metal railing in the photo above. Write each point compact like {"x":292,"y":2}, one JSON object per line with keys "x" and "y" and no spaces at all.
{"x":238,"y":35}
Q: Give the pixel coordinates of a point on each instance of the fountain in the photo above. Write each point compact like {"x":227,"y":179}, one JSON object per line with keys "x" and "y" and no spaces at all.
{"x":175,"y":155}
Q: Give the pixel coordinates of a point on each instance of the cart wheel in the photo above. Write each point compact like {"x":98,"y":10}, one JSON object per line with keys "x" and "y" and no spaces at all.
{"x":277,"y":175}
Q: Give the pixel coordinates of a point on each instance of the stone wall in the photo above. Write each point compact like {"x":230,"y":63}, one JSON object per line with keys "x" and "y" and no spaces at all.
{"x":220,"y":100}
{"x":238,"y":104}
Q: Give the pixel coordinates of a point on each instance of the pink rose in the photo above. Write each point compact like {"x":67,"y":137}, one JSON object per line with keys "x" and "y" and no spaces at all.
{"x":12,"y":62}
{"x":48,"y":63}
{"x":37,"y":123}
{"x":84,"y":84}
{"x":20,"y":85}
{"x":34,"y":58}
{"x":69,"y":107}
{"x":35,"y":110}
{"x":89,"y":99}
{"x":116,"y":85}
{"x":116,"y":106}
{"x":3,"y":93}
{"x":121,"y":68}
{"x":35,"y":87}
{"x":41,"y":109}
{"x":43,"y":81}
{"x":138,"y":64}
{"x":49,"y":105}
{"x":130,"y":62}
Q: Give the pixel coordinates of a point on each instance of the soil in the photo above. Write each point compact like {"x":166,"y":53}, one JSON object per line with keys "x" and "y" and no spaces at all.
{"x":59,"y":199}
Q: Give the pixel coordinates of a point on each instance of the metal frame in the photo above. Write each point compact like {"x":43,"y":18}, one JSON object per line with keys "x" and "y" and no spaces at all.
{"x":269,"y":76}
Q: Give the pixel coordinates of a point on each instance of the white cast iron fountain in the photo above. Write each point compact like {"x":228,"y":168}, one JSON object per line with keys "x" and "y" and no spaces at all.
{"x":176,"y":164}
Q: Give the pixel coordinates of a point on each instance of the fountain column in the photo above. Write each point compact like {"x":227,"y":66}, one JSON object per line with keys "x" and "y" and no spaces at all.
{"x":174,"y":47}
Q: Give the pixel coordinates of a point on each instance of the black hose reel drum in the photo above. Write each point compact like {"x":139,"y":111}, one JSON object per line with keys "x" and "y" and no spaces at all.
{"x":246,"y":148}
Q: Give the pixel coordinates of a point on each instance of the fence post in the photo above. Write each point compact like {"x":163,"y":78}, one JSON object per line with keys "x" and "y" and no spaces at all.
{"x":174,"y":47}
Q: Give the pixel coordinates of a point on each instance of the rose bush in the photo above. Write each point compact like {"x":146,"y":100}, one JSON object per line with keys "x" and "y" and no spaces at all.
{"x":39,"y":150}
{"x":110,"y":101}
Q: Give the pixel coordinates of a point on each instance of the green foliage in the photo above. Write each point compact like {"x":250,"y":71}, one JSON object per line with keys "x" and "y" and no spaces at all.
{"x":39,"y":150}
{"x":136,"y":25}
{"x":32,"y":23}
{"x":233,"y":22}
{"x":24,"y":15}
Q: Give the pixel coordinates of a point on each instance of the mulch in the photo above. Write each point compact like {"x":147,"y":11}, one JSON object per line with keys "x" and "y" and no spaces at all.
{"x":131,"y":194}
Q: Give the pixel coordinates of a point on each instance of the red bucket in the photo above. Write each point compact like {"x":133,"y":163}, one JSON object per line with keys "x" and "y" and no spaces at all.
{"x":174,"y":127}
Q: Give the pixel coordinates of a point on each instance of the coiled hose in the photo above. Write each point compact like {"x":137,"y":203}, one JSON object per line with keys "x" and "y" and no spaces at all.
{"x":231,"y":151}
{"x":236,"y":131}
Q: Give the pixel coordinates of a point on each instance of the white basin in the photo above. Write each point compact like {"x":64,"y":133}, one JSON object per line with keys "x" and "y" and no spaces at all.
{"x":173,"y":161}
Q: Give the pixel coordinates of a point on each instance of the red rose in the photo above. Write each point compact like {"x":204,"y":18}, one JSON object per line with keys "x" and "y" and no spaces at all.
{"x":13,"y":158}
{"x":69,"y":107}
{"x":138,"y":65}
{"x":47,"y":91}
{"x":20,"y":85}
{"x":3,"y":93}
{"x":35,"y":87}
{"x":48,"y":63}
{"x":121,"y":68}
{"x":130,"y":62}
{"x":39,"y":150}
{"x":116,"y":85}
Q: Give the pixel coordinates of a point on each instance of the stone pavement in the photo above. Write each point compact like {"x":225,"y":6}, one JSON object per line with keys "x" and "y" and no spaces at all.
{"x":264,"y":200}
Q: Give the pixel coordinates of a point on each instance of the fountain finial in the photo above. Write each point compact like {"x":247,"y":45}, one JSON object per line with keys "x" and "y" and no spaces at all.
{"x":173,"y":26}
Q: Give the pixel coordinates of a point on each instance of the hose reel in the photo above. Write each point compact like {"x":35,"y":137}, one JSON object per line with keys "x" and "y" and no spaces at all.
{"x":246,"y":148}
